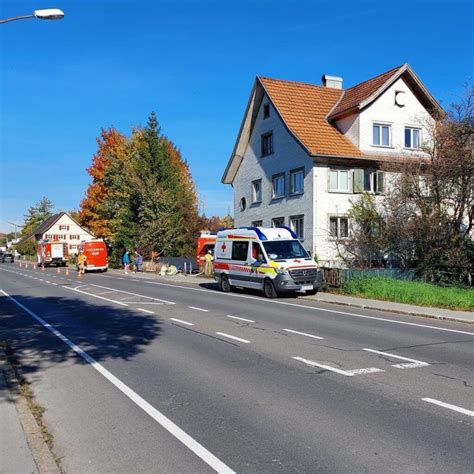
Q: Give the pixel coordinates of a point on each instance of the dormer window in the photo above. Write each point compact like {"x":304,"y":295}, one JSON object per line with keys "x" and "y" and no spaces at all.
{"x":381,"y":134}
{"x":266,"y":111}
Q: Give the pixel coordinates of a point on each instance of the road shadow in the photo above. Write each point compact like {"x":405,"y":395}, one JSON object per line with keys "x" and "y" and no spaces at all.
{"x":104,"y":331}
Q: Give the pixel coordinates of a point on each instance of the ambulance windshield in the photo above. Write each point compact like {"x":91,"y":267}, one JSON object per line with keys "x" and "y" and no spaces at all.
{"x":284,"y":249}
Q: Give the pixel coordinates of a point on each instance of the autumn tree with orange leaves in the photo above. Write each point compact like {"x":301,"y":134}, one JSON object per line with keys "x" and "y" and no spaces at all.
{"x":111,"y":145}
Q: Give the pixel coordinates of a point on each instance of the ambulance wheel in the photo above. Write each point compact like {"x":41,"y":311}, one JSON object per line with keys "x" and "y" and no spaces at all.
{"x":104,"y":270}
{"x":269,"y":289}
{"x":224,"y":284}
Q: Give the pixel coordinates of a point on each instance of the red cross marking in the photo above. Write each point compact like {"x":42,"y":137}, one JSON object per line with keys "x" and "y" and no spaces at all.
{"x":224,"y":246}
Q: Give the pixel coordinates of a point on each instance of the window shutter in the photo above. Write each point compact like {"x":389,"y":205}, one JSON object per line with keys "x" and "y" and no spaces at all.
{"x":358,"y":185}
{"x":380,"y":182}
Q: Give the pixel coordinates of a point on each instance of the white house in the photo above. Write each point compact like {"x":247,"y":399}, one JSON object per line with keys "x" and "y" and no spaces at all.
{"x":62,"y":227}
{"x":304,"y":151}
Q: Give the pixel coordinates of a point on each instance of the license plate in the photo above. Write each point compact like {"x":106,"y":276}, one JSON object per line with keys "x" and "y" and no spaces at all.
{"x":306,"y":287}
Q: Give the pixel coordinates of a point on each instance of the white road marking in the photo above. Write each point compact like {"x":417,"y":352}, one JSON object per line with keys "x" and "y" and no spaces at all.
{"x":105,"y":292}
{"x":146,"y":311}
{"x":55,"y":284}
{"x":240,"y":319}
{"x":449,"y":406}
{"x":182,"y":322}
{"x":199,"y":309}
{"x":165,"y":422}
{"x":368,"y":370}
{"x":134,"y":294}
{"x":416,"y":363}
{"x":303,"y":334}
{"x":95,"y":296}
{"x":326,"y":367}
{"x":346,"y":313}
{"x":223,"y":334}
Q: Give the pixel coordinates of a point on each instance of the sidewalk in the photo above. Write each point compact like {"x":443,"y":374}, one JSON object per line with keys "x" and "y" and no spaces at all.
{"x":15,"y":453}
{"x":22,"y":448}
{"x":401,"y":308}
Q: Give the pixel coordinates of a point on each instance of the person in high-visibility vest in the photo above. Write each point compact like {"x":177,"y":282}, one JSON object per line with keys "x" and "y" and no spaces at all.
{"x":208,"y":259}
{"x":81,"y":262}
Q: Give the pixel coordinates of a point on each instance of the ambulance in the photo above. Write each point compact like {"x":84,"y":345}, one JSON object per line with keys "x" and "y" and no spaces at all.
{"x":96,"y":255}
{"x":51,"y":253}
{"x":268,"y":259}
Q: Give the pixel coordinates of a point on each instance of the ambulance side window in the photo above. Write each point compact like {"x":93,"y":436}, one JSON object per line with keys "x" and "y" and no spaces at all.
{"x":257,"y":252}
{"x":240,"y":250}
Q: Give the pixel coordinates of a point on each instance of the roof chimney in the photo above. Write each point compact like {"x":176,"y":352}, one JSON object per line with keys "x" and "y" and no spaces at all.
{"x":333,"y":82}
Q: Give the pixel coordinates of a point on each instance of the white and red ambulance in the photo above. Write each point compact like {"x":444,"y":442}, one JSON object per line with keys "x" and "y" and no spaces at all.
{"x":268,"y":259}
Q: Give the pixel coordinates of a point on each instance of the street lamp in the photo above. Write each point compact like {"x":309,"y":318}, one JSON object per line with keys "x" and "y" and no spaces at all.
{"x":48,"y":14}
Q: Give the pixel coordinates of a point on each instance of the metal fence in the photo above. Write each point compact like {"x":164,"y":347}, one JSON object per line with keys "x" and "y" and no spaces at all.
{"x":338,"y":276}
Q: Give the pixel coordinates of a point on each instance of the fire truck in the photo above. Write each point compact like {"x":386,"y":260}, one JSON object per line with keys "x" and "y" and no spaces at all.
{"x":52,"y":253}
{"x":96,"y":255}
{"x":205,"y":242}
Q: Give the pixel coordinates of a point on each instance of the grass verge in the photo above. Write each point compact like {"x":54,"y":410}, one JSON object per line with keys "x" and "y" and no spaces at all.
{"x":411,"y":292}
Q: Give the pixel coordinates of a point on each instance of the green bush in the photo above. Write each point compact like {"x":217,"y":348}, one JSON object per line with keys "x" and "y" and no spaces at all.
{"x":26,"y":248}
{"x":411,"y":292}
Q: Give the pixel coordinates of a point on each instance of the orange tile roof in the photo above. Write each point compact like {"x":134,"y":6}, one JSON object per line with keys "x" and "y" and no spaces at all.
{"x":360,"y":92}
{"x":304,"y":108}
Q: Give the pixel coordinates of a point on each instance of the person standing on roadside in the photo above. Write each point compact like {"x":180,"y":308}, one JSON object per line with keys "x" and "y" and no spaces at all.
{"x":81,"y":263}
{"x":126,"y":261}
{"x":138,"y":261}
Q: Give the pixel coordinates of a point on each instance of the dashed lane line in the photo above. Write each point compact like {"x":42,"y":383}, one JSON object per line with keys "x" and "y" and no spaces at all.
{"x":199,"y":309}
{"x":323,"y":366}
{"x":464,"y":411}
{"x":235,"y":338}
{"x":197,"y":448}
{"x":310,"y":308}
{"x":181,"y":321}
{"x":145,"y":311}
{"x":303,"y":334}
{"x":240,"y":319}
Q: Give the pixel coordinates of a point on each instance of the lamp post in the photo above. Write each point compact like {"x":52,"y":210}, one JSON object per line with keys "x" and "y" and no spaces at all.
{"x":48,"y":14}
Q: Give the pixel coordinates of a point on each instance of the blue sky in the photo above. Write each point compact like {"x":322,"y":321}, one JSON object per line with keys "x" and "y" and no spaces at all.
{"x":193,"y":62}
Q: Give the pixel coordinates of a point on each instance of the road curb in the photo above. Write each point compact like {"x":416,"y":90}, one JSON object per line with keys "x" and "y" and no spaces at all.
{"x":40,"y":451}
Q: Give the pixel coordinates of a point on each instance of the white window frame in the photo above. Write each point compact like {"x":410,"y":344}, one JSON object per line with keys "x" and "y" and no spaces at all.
{"x":278,"y":176}
{"x":258,"y":223}
{"x":380,"y":125}
{"x":411,"y":128}
{"x":294,"y":173}
{"x":338,"y":189}
{"x":338,"y":226}
{"x":255,"y":198}
{"x":293,"y":227}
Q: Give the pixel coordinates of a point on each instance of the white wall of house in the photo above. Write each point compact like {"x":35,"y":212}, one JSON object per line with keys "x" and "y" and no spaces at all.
{"x":66,"y":230}
{"x":329,"y":204}
{"x":384,"y":110}
{"x":288,"y":155}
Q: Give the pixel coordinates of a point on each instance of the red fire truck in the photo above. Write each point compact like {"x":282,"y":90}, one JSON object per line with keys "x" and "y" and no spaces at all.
{"x":96,"y":255}
{"x":52,"y":253}
{"x":205,"y":242}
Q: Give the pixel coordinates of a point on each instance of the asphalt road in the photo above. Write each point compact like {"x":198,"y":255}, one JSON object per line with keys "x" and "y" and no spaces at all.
{"x":142,"y":376}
